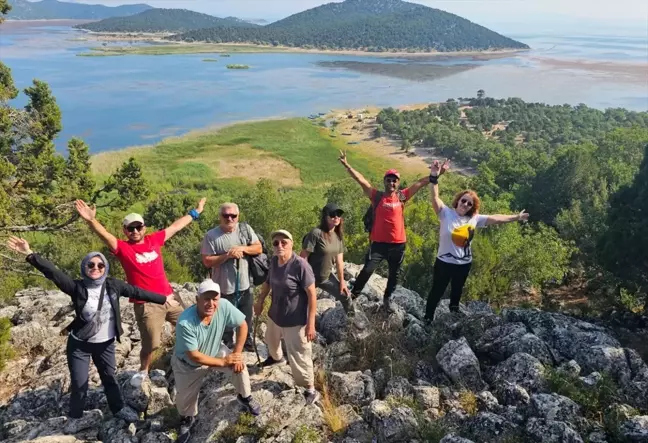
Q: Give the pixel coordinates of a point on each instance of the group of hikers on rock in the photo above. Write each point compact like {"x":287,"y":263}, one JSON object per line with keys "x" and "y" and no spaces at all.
{"x":233,"y":254}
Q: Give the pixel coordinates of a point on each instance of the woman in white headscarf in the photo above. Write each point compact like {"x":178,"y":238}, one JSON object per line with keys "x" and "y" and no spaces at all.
{"x":97,"y":324}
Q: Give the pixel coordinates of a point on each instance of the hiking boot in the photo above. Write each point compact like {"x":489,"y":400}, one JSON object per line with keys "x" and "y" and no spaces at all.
{"x":185,"y":429}
{"x":249,"y":345}
{"x":312,"y":397}
{"x":388,"y":305}
{"x":127,"y":414}
{"x":251,"y":405}
{"x":271,"y":361}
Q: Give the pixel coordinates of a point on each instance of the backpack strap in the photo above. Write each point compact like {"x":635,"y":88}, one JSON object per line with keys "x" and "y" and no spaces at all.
{"x":244,"y":229}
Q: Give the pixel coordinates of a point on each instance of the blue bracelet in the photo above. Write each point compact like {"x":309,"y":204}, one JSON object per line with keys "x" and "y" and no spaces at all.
{"x":194,"y":214}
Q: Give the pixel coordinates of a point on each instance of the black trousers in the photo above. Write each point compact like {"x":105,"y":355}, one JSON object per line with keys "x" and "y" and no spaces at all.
{"x":445,"y":273}
{"x":79,"y":354}
{"x":245,"y":305}
{"x":393,"y":253}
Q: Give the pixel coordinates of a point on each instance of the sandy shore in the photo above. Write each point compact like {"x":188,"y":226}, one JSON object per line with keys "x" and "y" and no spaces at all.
{"x":635,"y":72}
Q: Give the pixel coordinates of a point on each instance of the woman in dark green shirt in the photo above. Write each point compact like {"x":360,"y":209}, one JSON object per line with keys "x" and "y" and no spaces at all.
{"x":323,"y":247}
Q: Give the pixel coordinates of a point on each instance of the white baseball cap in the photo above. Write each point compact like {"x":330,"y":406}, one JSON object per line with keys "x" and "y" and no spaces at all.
{"x":209,"y":286}
{"x":282,"y":232}
{"x":133,"y":218}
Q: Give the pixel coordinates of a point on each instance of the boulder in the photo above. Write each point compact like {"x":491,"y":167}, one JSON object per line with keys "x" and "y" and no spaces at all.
{"x":635,"y":429}
{"x":554,"y":407}
{"x":460,"y":364}
{"x":543,"y":431}
{"x":501,"y":342}
{"x":487,"y":401}
{"x":353,"y":387}
{"x":427,"y":396}
{"x":391,"y":425}
{"x":452,"y":438}
{"x":399,"y":387}
{"x":521,"y":369}
{"x":410,"y":301}
{"x":512,"y":394}
{"x":333,"y":324}
{"x":488,"y":427}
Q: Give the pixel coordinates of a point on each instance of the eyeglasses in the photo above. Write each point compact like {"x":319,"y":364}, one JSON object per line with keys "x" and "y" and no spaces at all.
{"x":134,"y":228}
{"x":283,"y":242}
{"x":92,"y":265}
{"x":229,"y":216}
{"x":466,"y":202}
{"x":391,"y":180}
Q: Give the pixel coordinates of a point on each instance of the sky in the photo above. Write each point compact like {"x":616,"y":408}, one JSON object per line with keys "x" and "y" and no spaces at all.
{"x":501,"y":15}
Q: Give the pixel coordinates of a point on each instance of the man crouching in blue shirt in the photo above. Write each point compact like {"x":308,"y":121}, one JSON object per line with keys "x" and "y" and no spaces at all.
{"x":199,"y":348}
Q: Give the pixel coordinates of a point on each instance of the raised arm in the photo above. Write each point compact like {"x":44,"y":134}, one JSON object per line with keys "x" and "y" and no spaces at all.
{"x":51,"y":272}
{"x":436,"y":171}
{"x":366,"y":186}
{"x":500,"y":219}
{"x":89,"y":215}
{"x":416,"y":187}
{"x":130,"y":291}
{"x":184,"y":221}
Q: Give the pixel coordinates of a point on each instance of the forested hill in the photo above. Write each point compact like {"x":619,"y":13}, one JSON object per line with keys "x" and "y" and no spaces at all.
{"x":163,"y":20}
{"x":53,"y":9}
{"x":371,"y":25}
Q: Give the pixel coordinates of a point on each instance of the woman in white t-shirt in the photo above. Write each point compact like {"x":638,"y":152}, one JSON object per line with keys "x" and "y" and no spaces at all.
{"x":457,"y":225}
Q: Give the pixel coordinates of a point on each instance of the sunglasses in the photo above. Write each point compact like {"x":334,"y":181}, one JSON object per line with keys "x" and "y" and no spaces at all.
{"x":229,"y":216}
{"x":391,"y":180}
{"x":92,"y":265}
{"x":134,"y":228}
{"x":466,"y":202}
{"x":283,"y":242}
{"x":335,"y":215}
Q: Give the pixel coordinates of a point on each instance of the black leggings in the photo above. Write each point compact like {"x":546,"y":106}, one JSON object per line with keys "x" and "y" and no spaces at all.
{"x":445,"y":273}
{"x":79,"y":354}
{"x":393,"y":253}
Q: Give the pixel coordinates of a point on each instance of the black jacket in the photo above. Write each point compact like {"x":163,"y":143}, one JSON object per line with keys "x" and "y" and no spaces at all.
{"x":79,"y":293}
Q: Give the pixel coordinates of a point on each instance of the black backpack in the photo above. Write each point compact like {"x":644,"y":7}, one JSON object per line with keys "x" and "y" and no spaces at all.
{"x":370,"y":214}
{"x":259,"y":265}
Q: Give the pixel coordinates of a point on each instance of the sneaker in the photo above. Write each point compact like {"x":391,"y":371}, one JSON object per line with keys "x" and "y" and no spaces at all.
{"x":271,"y":361}
{"x":127,"y":414}
{"x":312,"y":397}
{"x":250,"y":404}
{"x":185,"y":429}
{"x":137,"y":379}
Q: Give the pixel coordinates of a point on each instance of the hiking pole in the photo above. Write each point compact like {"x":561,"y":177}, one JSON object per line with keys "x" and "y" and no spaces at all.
{"x":254,"y":342}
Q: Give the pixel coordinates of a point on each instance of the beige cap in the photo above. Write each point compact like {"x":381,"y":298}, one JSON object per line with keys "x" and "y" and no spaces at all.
{"x":132,"y":218}
{"x":281,"y":232}
{"x":208,"y":286}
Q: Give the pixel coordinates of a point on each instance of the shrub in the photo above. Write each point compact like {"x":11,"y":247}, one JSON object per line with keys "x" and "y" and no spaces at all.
{"x":6,"y":353}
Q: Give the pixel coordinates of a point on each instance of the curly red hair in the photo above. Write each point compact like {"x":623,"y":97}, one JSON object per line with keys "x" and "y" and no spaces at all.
{"x":476,"y":201}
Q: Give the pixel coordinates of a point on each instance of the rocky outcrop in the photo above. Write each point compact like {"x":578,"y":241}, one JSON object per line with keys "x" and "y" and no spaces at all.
{"x":472,"y":376}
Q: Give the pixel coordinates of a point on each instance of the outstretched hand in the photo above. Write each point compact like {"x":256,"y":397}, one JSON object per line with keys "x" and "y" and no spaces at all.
{"x":445,"y":166}
{"x":19,"y":245}
{"x":86,"y":212}
{"x":343,"y":158}
{"x":437,"y":169}
{"x":523,"y":216}
{"x":201,"y":205}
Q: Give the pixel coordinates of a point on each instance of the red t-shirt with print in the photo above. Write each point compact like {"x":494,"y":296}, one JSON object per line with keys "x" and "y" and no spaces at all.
{"x":389,"y":225}
{"x":143,"y":265}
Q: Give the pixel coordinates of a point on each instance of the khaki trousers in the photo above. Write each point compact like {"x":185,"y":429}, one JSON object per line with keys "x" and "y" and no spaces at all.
{"x":189,"y":379}
{"x":150,"y":319}
{"x":300,"y":351}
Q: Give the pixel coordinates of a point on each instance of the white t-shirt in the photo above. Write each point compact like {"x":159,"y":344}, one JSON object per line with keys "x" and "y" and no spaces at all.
{"x":456,"y":234}
{"x":106,"y":316}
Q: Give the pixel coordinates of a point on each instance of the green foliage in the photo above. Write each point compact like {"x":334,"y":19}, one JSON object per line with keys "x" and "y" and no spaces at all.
{"x":623,"y":247}
{"x":52,"y":10}
{"x":307,"y":434}
{"x":372,"y":26}
{"x":162,"y":20}
{"x":6,"y":353}
{"x":245,"y":425}
{"x":593,"y":399}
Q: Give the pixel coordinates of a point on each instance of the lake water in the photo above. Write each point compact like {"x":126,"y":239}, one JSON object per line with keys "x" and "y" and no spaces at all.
{"x":114,"y":102}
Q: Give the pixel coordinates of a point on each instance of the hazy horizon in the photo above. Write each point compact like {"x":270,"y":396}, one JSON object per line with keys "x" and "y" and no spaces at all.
{"x":595,"y":16}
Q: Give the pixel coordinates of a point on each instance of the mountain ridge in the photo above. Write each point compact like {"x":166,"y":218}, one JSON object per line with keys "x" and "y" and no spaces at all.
{"x":370,"y":25}
{"x":163,"y":20}
{"x":54,"y":9}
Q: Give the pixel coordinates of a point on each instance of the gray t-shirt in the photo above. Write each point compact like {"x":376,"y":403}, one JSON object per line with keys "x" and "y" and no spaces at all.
{"x":288,"y":283}
{"x":323,"y":252}
{"x":217,"y":242}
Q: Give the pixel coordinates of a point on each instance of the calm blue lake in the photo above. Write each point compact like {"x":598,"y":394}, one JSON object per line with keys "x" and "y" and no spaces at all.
{"x":114,"y":102}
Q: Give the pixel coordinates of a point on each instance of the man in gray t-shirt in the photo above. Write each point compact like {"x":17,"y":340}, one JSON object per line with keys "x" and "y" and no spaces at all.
{"x":223,"y":251}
